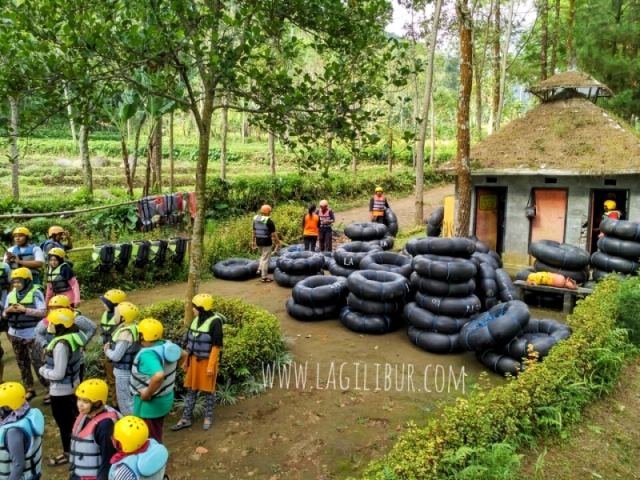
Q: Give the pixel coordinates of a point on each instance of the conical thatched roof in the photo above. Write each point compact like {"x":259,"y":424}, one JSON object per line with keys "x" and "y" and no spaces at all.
{"x":571,"y":79}
{"x":563,"y":136}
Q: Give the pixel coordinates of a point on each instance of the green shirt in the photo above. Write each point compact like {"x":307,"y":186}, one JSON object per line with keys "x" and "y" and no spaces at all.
{"x":157,"y":407}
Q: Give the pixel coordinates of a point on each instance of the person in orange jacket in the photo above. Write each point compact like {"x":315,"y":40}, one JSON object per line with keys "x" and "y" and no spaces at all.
{"x":310,"y":228}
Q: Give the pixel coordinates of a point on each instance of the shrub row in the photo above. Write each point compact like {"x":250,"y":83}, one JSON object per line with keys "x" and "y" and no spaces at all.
{"x":539,"y":401}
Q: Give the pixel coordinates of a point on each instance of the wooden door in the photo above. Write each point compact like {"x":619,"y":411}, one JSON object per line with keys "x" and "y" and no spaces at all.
{"x":487,"y":216}
{"x":551,"y":213}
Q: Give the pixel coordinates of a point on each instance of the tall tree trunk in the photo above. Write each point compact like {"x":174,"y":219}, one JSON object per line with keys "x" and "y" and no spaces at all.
{"x":503,"y":66}
{"x":329,"y":153}
{"x":463,"y":136}
{"x":354,"y":162}
{"x":15,"y":166}
{"x":243,"y":128}
{"x":197,"y":237}
{"x":432,"y":160}
{"x":70,"y":113}
{"x":543,"y":12}
{"x":495,"y":125}
{"x":554,"y":40}
{"x":157,"y":156}
{"x":136,"y":147}
{"x":127,"y":170}
{"x":390,"y":153}
{"x":223,"y":140}
{"x":570,"y":52}
{"x":414,"y":153}
{"x":147,"y":172}
{"x":172,"y":184}
{"x":272,"y":153}
{"x":87,"y":173}
{"x":479,"y":71}
{"x":418,"y":217}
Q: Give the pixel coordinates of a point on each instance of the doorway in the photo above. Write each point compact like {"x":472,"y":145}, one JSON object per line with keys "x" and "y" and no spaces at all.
{"x":490,"y":216}
{"x":596,"y":210}
{"x":551,"y":216}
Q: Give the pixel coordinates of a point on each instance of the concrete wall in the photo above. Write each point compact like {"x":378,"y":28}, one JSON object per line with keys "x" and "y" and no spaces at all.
{"x":515,"y":255}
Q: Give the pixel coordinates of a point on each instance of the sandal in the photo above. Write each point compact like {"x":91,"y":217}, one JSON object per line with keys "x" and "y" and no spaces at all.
{"x":47,"y":400}
{"x":207,"y":426}
{"x":58,"y":461}
{"x":267,"y":280}
{"x":180,"y":425}
{"x":30,"y":394}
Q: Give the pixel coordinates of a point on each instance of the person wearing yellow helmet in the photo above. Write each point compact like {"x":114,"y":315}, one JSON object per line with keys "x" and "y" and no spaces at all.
{"x":63,"y":361}
{"x":21,"y":430}
{"x":120,"y":352}
{"x":139,"y":457}
{"x":263,"y":236}
{"x":610,"y":210}
{"x":92,"y":446}
{"x":204,"y":344}
{"x":61,"y":280}
{"x":377,"y":205}
{"x":110,"y":321}
{"x":55,"y":234}
{"x":153,"y":376}
{"x":24,"y":308}
{"x":25,"y":255}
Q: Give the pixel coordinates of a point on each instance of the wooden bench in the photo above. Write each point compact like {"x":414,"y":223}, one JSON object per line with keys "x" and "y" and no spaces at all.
{"x":569,"y":295}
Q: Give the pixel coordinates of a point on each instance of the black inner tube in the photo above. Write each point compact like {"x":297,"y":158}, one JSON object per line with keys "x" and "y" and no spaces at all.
{"x":450,"y":306}
{"x":561,"y":255}
{"x":387,"y":262}
{"x":300,"y":262}
{"x":307,"y":313}
{"x":496,"y":327}
{"x":622,"y":229}
{"x":426,"y":320}
{"x":378,"y":286}
{"x":366,"y":323}
{"x":365,"y":231}
{"x":456,"y":247}
{"x":338,"y":270}
{"x":320,"y":290}
{"x":235,"y":269}
{"x":434,"y":342}
{"x":442,"y":288}
{"x":444,"y":268}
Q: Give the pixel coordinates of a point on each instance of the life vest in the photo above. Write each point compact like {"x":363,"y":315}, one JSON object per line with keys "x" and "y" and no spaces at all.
{"x":28,"y":255}
{"x":48,"y":244}
{"x":105,"y":254}
{"x":618,"y":212}
{"x":325,"y":218}
{"x":158,"y":251}
{"x":140,"y":253}
{"x":260,"y":226}
{"x":108,"y":325}
{"x":169,"y":354}
{"x":178,"y":246}
{"x":151,"y":462}
{"x":127,"y":359}
{"x":122,"y":255}
{"x":58,"y":283}
{"x":20,"y":321}
{"x":199,"y":339}
{"x":75,"y":341}
{"x":311,"y":225}
{"x":85,"y":459}
{"x":379,"y":205}
{"x":32,"y":427}
{"x":5,"y":281}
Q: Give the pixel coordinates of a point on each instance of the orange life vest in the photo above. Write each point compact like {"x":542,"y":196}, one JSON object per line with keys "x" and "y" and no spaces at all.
{"x":379,"y":205}
{"x":311,"y":225}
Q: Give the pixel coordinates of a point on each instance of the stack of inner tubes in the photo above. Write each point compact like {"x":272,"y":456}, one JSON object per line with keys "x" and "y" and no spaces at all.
{"x":490,"y":331}
{"x":619,"y":249}
{"x":235,"y":269}
{"x":296,"y":266}
{"x":434,"y":224}
{"x":444,"y":302}
{"x":347,"y":257}
{"x":387,"y":262}
{"x":317,"y":298}
{"x":365,"y":232}
{"x":376,"y":299}
{"x":562,"y":258}
{"x":391,"y":221}
{"x":543,"y":335}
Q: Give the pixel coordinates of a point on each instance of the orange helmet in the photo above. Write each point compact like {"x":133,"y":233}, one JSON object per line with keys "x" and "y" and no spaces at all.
{"x":53,"y":230}
{"x":265,"y":209}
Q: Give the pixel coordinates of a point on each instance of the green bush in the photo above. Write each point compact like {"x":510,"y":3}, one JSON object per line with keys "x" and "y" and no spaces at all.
{"x":628,"y":298}
{"x":546,"y":396}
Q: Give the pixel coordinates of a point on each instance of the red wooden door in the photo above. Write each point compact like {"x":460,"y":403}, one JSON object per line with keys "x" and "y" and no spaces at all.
{"x":487,"y":216}
{"x":551,"y":212}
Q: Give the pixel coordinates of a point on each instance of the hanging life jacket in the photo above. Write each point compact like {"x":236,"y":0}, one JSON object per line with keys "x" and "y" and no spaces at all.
{"x":168,"y":353}
{"x":178,"y":246}
{"x":58,"y":283}
{"x":5,"y":280}
{"x":28,"y":254}
{"x":75,"y":341}
{"x":158,"y":251}
{"x":126,"y":361}
{"x":140,"y":253}
{"x":85,"y":458}
{"x":150,"y":463}
{"x":20,"y":321}
{"x":105,"y":254}
{"x":32,"y":427}
{"x":123,"y":256}
{"x":199,"y":339}
{"x":379,"y":205}
{"x":260,"y":226}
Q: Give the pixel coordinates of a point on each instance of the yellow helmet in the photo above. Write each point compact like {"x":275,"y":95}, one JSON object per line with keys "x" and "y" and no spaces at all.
{"x":116,"y":296}
{"x":55,"y":229}
{"x":265,"y":209}
{"x":379,"y":189}
{"x":129,"y":312}
{"x":58,"y":252}
{"x":12,"y":395}
{"x":204,"y":301}
{"x":21,"y":230}
{"x":61,"y":316}
{"x":95,"y":390}
{"x":610,"y":204}
{"x":23,"y":273}
{"x":131,"y":432}
{"x":150,"y":329}
{"x":59,"y":301}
